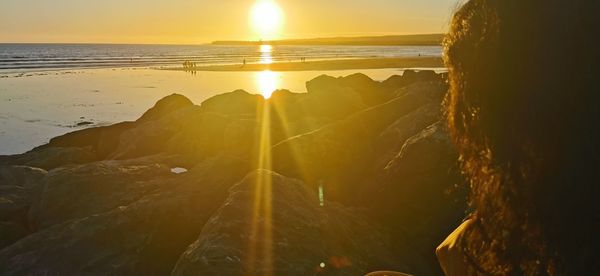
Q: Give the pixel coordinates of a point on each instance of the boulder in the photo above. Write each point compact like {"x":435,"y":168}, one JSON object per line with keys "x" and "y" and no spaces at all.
{"x":409,"y":77}
{"x":17,"y":184}
{"x":10,"y":232}
{"x":53,"y":157}
{"x":145,"y":237}
{"x":164,"y":106}
{"x":328,"y":97}
{"x":21,"y":176}
{"x":339,"y":155}
{"x":84,"y":190}
{"x":286,"y":233}
{"x":390,"y":141}
{"x":234,"y":103}
{"x":418,"y":197}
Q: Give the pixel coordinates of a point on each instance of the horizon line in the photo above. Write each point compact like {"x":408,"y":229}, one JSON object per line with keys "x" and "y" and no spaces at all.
{"x":225,"y":40}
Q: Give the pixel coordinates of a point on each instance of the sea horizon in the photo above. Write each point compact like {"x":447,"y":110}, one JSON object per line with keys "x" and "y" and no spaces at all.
{"x":41,"y":56}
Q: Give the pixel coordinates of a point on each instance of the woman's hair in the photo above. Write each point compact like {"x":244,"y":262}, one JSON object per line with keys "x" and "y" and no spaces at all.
{"x":524,"y":112}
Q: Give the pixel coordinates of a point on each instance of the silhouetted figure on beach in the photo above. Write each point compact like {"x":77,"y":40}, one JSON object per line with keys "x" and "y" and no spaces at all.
{"x":523,"y":110}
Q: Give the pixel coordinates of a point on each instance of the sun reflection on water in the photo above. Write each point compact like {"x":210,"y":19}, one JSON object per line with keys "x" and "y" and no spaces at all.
{"x":267,"y":82}
{"x":266,"y":54}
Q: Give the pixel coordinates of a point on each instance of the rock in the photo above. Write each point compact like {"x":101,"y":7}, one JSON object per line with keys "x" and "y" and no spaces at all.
{"x":21,"y":176}
{"x":80,"y":191}
{"x":327,"y":97}
{"x":411,"y":76}
{"x":390,"y":141}
{"x":53,"y":157}
{"x":371,"y":92}
{"x":302,"y":234}
{"x":234,"y":103}
{"x":164,"y":106}
{"x":99,"y":141}
{"x":418,"y":198}
{"x":145,"y":237}
{"x":10,"y":232}
{"x":191,"y":133}
{"x":338,"y":155}
{"x":16,"y":187}
{"x":14,"y":202}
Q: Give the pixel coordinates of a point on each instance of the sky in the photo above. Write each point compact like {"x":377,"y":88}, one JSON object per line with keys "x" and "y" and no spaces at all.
{"x":203,"y":21}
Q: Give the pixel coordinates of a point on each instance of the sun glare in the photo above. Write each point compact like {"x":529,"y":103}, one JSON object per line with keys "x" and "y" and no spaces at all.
{"x":267,"y":82}
{"x":266,"y":18}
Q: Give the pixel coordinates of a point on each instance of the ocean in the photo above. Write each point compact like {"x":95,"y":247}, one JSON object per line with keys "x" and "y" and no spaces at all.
{"x":41,"y":57}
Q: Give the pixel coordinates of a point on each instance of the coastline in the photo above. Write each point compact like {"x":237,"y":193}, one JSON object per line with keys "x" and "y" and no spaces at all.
{"x":37,"y":106}
{"x":322,"y":65}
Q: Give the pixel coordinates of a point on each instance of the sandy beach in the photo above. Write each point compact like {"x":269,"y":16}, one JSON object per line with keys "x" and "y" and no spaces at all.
{"x":340,"y":64}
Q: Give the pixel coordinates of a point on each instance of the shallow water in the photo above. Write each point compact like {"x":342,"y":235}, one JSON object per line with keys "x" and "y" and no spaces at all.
{"x":35,"y":107}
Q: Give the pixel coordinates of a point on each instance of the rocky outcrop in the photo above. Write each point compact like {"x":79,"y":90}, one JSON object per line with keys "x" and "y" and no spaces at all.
{"x":94,"y":188}
{"x":17,"y":186}
{"x":419,"y":196}
{"x":287,"y":233}
{"x":165,"y":106}
{"x":340,"y":154}
{"x":144,"y":237}
{"x":361,"y":178}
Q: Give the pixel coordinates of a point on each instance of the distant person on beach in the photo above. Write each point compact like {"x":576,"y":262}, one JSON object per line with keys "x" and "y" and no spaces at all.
{"x":244,"y":63}
{"x":523,"y":110}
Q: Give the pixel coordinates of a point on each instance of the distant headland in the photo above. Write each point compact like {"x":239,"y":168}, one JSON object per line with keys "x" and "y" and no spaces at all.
{"x":389,"y":40}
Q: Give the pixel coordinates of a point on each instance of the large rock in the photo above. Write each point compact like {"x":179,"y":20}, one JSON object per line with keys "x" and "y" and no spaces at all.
{"x":390,"y":141}
{"x":22,"y":176}
{"x":274,"y":225}
{"x":10,"y":232}
{"x":418,"y":197}
{"x":53,"y":157}
{"x":165,"y":106}
{"x":17,"y":184}
{"x":338,"y":155}
{"x":80,"y":191}
{"x":409,"y":77}
{"x":234,"y":103}
{"x":145,"y":237}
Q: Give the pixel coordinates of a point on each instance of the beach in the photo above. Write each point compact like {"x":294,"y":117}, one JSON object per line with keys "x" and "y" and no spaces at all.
{"x":341,"y":64}
{"x":37,"y":106}
{"x":48,"y":90}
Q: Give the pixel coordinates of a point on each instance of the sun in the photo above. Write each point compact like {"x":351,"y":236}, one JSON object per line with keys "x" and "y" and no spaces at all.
{"x":266,"y":19}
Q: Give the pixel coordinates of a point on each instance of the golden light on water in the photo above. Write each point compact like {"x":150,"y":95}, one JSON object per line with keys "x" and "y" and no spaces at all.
{"x":266,"y":54}
{"x":267,"y":82}
{"x":266,"y":19}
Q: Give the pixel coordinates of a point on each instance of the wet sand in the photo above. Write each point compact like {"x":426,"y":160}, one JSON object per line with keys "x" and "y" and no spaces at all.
{"x":36,"y":106}
{"x":322,"y":65}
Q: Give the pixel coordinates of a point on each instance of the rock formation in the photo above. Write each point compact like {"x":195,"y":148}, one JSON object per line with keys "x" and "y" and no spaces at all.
{"x":360,"y":176}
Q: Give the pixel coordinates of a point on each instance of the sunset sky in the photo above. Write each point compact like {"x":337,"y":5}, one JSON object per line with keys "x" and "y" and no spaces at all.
{"x":201,"y":21}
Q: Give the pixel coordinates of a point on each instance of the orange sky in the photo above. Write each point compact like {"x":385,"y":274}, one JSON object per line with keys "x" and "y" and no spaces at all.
{"x":201,"y":21}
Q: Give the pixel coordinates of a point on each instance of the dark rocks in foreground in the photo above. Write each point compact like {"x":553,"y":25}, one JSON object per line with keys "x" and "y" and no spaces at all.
{"x":363,"y":178}
{"x":304,"y":235}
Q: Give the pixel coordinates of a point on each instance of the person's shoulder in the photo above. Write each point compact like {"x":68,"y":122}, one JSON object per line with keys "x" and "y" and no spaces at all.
{"x":449,"y":253}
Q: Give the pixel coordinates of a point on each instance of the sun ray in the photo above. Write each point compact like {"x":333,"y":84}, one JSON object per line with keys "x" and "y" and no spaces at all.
{"x":260,"y":255}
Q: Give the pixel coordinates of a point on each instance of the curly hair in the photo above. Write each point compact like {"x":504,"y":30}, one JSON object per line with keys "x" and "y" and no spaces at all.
{"x":523,"y":111}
